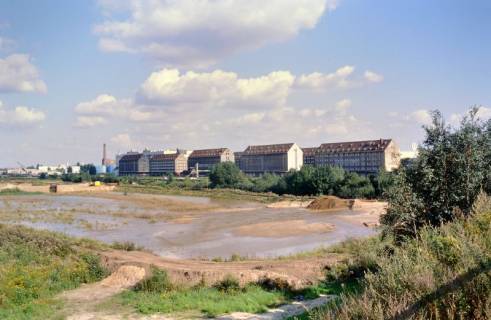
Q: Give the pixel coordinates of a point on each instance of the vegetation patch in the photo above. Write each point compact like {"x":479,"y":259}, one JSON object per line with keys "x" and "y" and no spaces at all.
{"x":36,"y":265}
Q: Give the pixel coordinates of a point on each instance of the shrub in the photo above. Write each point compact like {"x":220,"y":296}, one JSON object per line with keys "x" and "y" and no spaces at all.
{"x":444,"y":273}
{"x":158,"y":282}
{"x":228,"y":284}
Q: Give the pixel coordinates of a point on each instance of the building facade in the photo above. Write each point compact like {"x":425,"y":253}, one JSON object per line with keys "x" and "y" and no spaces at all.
{"x":363,"y":157}
{"x":207,"y":158}
{"x":164,"y":164}
{"x":309,"y":156}
{"x":274,"y":158}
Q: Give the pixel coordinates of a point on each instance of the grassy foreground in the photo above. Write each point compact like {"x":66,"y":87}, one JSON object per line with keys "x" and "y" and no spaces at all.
{"x":444,"y":273}
{"x":36,"y":265}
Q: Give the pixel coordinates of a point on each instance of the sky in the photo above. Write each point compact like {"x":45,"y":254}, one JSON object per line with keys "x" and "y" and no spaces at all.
{"x":227,"y":73}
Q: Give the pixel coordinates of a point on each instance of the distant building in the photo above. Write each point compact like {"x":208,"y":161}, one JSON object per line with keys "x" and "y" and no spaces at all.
{"x":134,"y":164}
{"x":273,"y":158}
{"x":207,"y":158}
{"x":163,"y":164}
{"x":237,"y":157}
{"x":309,"y":156}
{"x":363,"y":157}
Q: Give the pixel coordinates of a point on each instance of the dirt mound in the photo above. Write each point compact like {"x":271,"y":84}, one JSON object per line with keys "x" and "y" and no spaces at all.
{"x":330,"y":203}
{"x":279,"y":229}
{"x":298,"y":273}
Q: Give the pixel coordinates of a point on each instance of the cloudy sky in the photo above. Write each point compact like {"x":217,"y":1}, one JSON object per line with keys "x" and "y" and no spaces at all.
{"x":213,"y":73}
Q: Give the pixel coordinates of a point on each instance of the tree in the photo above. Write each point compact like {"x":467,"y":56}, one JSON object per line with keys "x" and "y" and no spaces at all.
{"x":226,"y":175}
{"x":452,"y":168}
{"x":88,"y":168}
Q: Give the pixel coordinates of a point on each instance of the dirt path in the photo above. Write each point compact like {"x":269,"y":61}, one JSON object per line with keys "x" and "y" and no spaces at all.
{"x":298,"y":273}
{"x":131,"y":267}
{"x":80,"y":303}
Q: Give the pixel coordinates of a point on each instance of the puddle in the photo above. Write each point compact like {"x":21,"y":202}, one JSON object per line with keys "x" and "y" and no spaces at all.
{"x":203,"y":235}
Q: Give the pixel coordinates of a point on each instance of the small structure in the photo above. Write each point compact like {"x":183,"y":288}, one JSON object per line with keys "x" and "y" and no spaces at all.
{"x":363,"y":157}
{"x":163,"y":164}
{"x":53,"y":188}
{"x":207,"y":158}
{"x":273,"y":158}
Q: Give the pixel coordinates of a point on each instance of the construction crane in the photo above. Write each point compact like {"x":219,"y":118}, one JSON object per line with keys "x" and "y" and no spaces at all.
{"x":23,"y":167}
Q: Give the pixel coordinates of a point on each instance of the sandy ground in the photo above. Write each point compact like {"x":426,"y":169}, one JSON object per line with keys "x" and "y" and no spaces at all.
{"x":367,"y":212}
{"x":280,"y":229}
{"x":298,"y":273}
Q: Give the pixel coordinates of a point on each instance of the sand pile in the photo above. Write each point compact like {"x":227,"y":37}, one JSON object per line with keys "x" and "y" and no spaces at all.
{"x":329,"y":203}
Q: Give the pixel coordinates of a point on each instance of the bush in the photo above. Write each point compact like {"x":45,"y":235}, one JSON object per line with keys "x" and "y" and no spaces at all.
{"x":228,"y":284}
{"x":226,"y":175}
{"x":159,"y":282}
{"x":452,"y":168}
{"x":444,"y":273}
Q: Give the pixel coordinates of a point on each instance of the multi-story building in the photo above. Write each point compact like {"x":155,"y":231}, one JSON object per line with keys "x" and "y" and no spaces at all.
{"x":237,"y":157}
{"x":163,"y":164}
{"x":131,"y":164}
{"x":363,"y":157}
{"x":207,"y":158}
{"x":274,"y":158}
{"x":309,"y":156}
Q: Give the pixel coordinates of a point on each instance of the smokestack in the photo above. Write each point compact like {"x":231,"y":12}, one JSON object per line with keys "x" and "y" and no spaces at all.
{"x":104,"y":154}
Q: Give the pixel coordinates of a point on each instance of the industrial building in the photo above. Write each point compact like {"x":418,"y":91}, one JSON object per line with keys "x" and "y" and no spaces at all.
{"x":204,"y":159}
{"x":363,"y":157}
{"x":164,"y":164}
{"x":309,"y":156}
{"x":131,"y":164}
{"x":273,"y":158}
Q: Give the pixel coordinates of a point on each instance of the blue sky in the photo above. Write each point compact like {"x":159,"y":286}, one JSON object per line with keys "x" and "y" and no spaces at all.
{"x":158,"y":74}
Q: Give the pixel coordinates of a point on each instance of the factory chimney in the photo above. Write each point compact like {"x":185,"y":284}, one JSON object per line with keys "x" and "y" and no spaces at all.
{"x":104,"y":154}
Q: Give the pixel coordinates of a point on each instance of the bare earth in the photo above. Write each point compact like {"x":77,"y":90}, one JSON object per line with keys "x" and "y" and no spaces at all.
{"x":280,"y":229}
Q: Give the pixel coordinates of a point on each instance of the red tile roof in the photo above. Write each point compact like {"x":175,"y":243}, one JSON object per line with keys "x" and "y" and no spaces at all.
{"x":369,"y":145}
{"x":208,"y":153}
{"x":309,"y":151}
{"x":268,"y":149}
{"x":171,"y":156}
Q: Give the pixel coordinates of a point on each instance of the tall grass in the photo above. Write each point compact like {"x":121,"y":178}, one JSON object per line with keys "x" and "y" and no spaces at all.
{"x":35,"y":266}
{"x":445,"y":273}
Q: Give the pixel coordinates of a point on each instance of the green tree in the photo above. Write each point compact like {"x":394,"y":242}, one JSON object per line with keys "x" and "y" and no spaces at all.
{"x":452,"y":168}
{"x":226,"y":175}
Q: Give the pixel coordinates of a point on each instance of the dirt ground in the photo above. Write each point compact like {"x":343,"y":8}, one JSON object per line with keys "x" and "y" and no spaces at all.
{"x":298,"y":273}
{"x":279,"y":229}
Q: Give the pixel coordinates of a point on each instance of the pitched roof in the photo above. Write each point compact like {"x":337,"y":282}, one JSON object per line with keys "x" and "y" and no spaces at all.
{"x":131,"y":157}
{"x":171,"y":156}
{"x":208,"y":153}
{"x":368,"y":145}
{"x":268,"y":149}
{"x":309,"y":151}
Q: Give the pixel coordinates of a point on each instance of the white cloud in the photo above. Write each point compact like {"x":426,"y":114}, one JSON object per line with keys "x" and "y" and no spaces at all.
{"x":200,"y":33}
{"x":168,"y":86}
{"x":343,"y":77}
{"x":89,"y":121}
{"x":343,"y":105}
{"x":124,"y":140}
{"x":6,"y":44}
{"x":371,"y":76}
{"x":421,"y":117}
{"x":105,"y":106}
{"x":20,"y":116}
{"x":18,"y":74}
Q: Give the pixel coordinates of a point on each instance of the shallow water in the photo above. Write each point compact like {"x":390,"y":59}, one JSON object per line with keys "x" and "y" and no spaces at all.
{"x":204,"y":235}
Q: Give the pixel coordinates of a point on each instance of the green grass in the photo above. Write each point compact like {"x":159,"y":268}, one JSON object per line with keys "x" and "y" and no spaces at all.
{"x":225,"y":194}
{"x":37,"y":265}
{"x":208,"y":301}
{"x":16,"y":192}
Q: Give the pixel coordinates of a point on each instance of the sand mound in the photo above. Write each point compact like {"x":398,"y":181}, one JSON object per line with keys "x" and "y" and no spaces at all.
{"x":277,"y":229}
{"x":124,"y":277}
{"x":329,"y":203}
